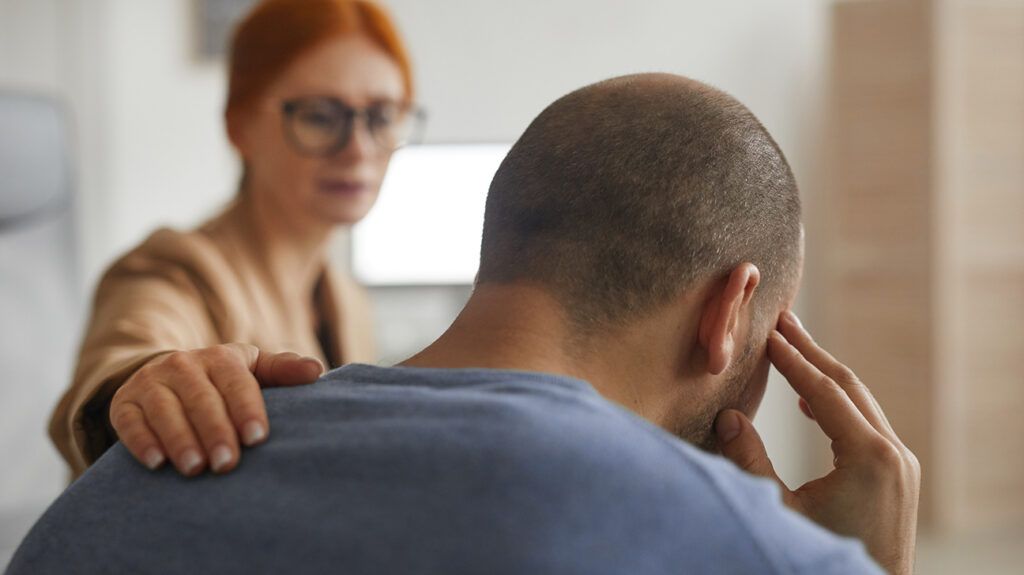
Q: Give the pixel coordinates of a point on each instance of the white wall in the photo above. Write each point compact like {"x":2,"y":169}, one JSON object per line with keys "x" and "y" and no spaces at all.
{"x":152,"y":149}
{"x":160,"y":154}
{"x":30,"y":47}
{"x":485,"y":68}
{"x":171,"y":163}
{"x":31,"y":61}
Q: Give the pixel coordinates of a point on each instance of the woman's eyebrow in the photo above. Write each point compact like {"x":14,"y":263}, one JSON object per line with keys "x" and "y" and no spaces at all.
{"x":370,"y":99}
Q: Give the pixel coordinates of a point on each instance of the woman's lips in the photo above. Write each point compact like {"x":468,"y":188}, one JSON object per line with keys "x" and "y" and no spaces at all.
{"x":341,"y":187}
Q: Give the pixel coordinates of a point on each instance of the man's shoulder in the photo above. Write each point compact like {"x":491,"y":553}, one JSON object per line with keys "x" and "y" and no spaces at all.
{"x":555,"y":442}
{"x":470,"y":471}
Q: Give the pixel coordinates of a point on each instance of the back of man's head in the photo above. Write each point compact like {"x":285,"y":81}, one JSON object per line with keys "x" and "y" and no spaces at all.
{"x":623,"y":194}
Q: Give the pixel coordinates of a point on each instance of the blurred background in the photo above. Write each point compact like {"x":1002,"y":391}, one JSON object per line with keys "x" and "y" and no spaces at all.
{"x":903,"y":121}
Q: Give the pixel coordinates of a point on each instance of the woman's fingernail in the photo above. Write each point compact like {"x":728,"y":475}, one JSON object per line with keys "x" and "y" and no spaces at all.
{"x":191,"y":460}
{"x":728,"y":426}
{"x":220,"y":457}
{"x":314,"y":362}
{"x":253,"y":432}
{"x":153,"y":458}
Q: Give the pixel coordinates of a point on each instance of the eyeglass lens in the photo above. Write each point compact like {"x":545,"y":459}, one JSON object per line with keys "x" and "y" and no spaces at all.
{"x":324,"y":125}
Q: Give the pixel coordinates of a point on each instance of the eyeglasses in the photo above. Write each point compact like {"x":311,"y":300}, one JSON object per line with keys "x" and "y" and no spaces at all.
{"x":323,"y":125}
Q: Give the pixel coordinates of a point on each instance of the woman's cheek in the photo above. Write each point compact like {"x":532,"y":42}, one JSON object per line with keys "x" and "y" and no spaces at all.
{"x":303,"y":180}
{"x":382,"y":170}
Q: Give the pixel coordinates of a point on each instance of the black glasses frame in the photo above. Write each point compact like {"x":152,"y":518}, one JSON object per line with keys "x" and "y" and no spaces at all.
{"x":416,"y":115}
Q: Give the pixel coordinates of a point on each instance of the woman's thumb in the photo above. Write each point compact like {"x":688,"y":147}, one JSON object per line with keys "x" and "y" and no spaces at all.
{"x":739,"y":442}
{"x":286,"y":369}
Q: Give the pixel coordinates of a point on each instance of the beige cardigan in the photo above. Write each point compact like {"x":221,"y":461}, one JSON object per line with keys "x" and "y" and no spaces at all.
{"x":181,"y":291}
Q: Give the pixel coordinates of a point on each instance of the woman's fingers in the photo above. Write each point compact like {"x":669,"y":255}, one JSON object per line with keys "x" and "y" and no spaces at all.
{"x":194,"y":407}
{"x":277,"y":369}
{"x":793,"y":331}
{"x":205,"y":410}
{"x":209,"y":418}
{"x":130,"y":424}
{"x":240,"y":370}
{"x":166,"y":417}
{"x":833,"y":409}
{"x":243,"y":400}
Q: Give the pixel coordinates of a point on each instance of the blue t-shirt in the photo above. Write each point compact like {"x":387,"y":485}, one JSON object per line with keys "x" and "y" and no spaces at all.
{"x":411,"y":470}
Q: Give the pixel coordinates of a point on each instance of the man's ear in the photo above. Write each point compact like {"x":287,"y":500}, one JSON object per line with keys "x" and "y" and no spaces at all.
{"x":721,"y":316}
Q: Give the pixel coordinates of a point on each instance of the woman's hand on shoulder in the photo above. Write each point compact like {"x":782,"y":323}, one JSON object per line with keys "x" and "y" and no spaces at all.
{"x":196,"y":407}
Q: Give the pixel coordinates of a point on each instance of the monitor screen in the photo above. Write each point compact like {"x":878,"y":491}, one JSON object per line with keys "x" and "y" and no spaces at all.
{"x":425,"y":228}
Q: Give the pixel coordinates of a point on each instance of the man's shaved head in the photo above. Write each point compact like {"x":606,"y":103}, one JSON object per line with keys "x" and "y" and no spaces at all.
{"x":625,"y":193}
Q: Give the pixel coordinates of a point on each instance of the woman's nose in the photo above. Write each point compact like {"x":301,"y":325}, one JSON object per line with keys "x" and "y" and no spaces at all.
{"x":361,"y":144}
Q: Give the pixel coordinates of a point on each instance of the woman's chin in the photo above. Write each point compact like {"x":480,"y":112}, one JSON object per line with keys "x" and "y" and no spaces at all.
{"x":343,"y":211}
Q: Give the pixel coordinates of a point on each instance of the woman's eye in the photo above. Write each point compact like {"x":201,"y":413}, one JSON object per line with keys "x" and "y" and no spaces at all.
{"x":383,"y":116}
{"x":318,"y":119}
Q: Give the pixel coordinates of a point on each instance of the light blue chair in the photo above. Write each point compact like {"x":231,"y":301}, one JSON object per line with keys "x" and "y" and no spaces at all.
{"x":40,"y":304}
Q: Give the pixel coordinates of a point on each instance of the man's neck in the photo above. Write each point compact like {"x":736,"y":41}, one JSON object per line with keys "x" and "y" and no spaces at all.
{"x":522,"y":327}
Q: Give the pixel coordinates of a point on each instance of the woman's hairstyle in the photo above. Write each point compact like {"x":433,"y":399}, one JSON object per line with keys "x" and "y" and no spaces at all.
{"x":277,"y":32}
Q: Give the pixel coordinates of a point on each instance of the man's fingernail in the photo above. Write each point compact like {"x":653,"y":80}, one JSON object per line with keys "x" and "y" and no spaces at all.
{"x":191,"y":460}
{"x":793,"y":317}
{"x":253,"y":433}
{"x":153,"y":458}
{"x":220,"y":457}
{"x":728,"y":426}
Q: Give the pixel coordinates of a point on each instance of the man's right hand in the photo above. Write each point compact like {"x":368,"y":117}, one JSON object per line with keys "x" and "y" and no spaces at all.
{"x":872,"y":494}
{"x":194,"y":407}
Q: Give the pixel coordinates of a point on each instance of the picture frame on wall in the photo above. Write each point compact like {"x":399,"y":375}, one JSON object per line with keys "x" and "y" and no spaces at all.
{"x":215,"y":21}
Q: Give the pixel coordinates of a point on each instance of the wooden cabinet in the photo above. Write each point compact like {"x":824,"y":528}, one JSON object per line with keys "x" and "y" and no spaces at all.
{"x":920,"y":269}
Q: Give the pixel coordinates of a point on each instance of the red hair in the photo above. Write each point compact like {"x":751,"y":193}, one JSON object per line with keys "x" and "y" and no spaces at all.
{"x":277,"y":32}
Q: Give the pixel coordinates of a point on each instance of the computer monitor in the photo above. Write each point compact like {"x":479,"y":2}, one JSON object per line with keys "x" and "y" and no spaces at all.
{"x":427,"y":224}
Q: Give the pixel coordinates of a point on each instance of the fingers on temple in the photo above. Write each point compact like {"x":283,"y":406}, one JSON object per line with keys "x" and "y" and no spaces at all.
{"x":833,"y":409}
{"x":745,"y":447}
{"x":835,"y":370}
{"x":806,"y":409}
{"x":166,"y":416}
{"x":243,"y":400}
{"x":795,"y":334}
{"x":130,"y":424}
